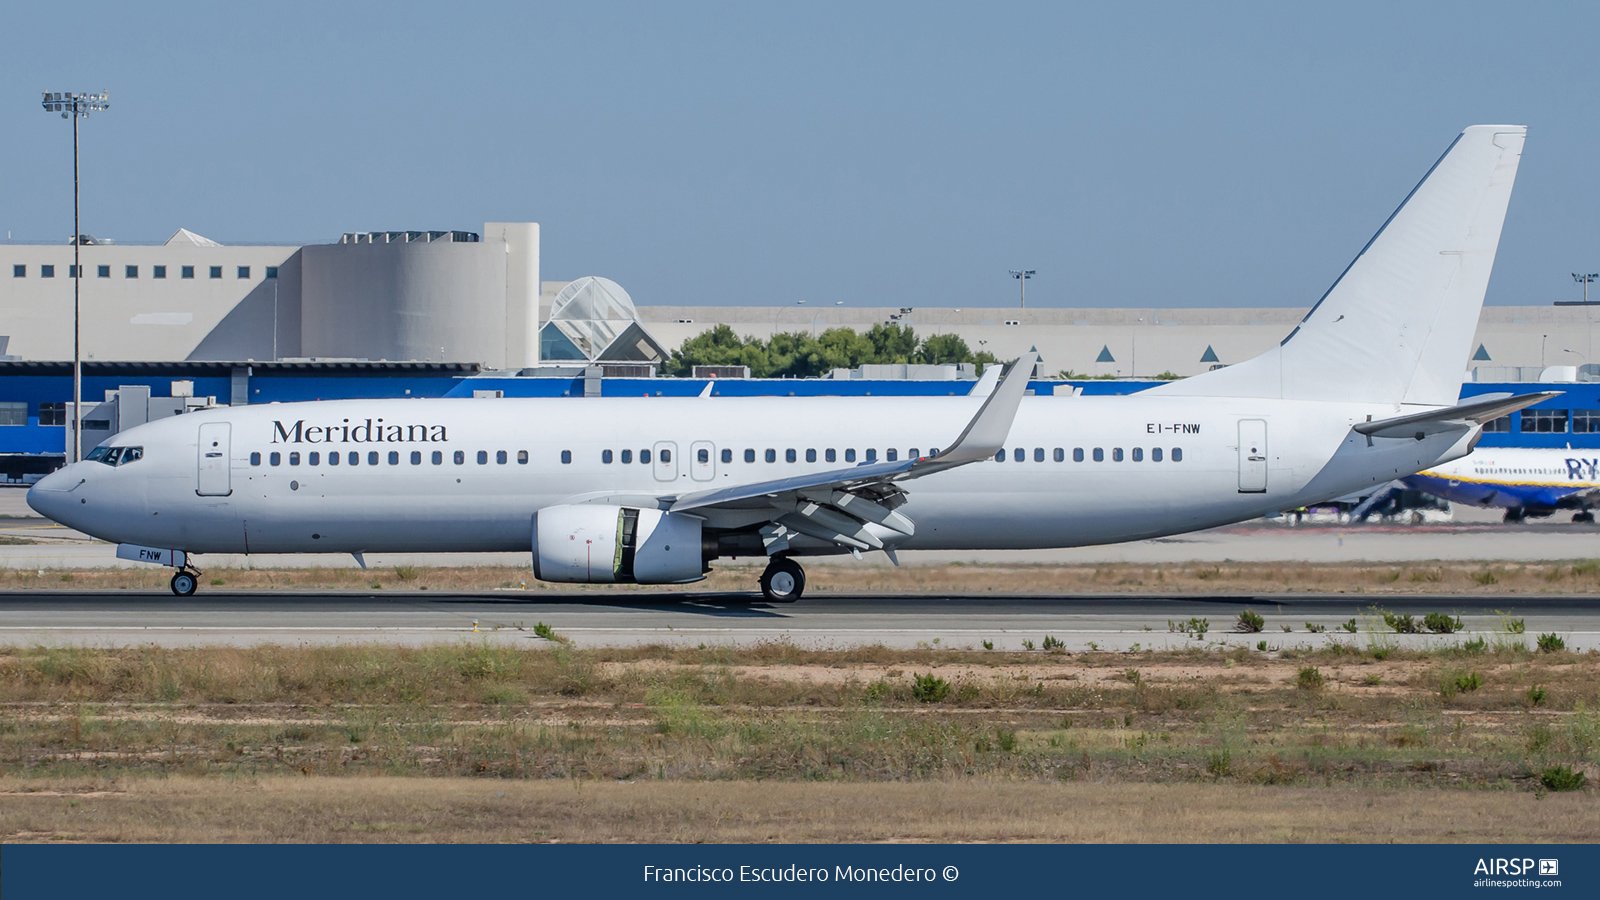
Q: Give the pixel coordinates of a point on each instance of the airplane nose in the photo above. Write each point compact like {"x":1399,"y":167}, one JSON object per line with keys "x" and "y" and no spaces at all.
{"x":51,"y":494}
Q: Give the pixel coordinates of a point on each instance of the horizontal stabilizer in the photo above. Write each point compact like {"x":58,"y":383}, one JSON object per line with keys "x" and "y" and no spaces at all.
{"x":1451,"y":418}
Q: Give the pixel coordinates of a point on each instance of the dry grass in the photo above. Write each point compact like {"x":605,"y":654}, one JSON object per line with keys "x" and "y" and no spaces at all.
{"x":475,"y":742}
{"x":1486,"y":578}
{"x":468,"y":810}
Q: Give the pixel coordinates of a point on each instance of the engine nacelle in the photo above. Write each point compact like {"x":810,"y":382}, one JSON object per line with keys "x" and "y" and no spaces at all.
{"x":588,"y":543}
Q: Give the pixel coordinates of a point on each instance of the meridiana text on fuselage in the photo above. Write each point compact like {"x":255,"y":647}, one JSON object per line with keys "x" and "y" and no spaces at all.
{"x":368,"y":431}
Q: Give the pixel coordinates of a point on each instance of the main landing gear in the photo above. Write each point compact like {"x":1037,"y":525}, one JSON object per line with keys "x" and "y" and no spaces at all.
{"x":783,"y":581}
{"x":185,"y":582}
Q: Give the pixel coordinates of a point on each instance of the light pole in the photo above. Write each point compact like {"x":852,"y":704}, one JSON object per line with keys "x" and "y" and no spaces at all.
{"x":1584,"y":281}
{"x":75,"y":106}
{"x":1022,"y":276}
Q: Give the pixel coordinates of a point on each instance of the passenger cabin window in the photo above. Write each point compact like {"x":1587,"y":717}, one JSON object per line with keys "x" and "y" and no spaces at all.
{"x":1077,"y":454}
{"x":666,"y":456}
{"x":522,"y":457}
{"x":891,"y":455}
{"x":703,"y":456}
{"x":1000,"y":455}
{"x":394,"y":457}
{"x":627,"y":457}
{"x":333,"y":458}
{"x":416,"y":457}
{"x":566,"y":457}
{"x":372,"y":457}
{"x":789,"y":455}
{"x":872,"y":454}
{"x":811,"y":455}
{"x":1061,"y":455}
{"x":727,"y":456}
{"x":1155,"y":454}
{"x":1116,"y":454}
{"x":912,"y":454}
{"x":1177,"y":454}
{"x":1019,"y":454}
{"x":276,"y":458}
{"x":255,"y":458}
{"x":772,"y":455}
{"x":438,"y":457}
{"x":644,"y":457}
{"x":830,"y":455}
{"x":1138,"y":454}
{"x":461,"y":457}
{"x":850,"y":455}
{"x":1038,"y":454}
{"x":749,"y":456}
{"x":1099,"y":455}
{"x":483,"y":457}
{"x":605,"y":457}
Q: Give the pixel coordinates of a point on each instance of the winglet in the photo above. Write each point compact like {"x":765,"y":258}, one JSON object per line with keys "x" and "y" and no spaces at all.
{"x":986,"y":434}
{"x":706,"y":391}
{"x":986,"y":382}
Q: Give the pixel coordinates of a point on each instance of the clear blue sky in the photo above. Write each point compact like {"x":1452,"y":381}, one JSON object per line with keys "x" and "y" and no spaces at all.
{"x":761,"y":153}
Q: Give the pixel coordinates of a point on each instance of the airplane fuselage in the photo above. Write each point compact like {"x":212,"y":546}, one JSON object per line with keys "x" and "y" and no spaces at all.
{"x":468,"y":475}
{"x":1533,"y":479}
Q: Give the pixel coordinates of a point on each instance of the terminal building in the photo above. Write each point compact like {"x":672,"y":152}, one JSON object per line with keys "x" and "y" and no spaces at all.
{"x":172,"y":326}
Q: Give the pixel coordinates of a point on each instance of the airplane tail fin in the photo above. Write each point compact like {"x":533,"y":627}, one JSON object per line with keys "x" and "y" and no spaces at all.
{"x":1397,"y":325}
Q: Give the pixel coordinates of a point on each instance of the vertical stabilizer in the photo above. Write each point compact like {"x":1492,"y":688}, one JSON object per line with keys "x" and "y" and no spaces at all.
{"x":1397,"y":325}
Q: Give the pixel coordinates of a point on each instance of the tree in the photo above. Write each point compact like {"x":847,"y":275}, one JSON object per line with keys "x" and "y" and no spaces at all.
{"x":799,"y":355}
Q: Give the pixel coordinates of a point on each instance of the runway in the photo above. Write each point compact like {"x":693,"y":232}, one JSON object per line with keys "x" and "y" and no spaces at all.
{"x":1119,"y":622}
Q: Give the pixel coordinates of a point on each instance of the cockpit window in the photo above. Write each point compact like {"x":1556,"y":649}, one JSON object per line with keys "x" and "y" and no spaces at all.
{"x":115,"y":456}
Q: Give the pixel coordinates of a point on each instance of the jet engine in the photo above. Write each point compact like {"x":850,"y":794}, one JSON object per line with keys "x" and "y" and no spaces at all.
{"x":602,"y":544}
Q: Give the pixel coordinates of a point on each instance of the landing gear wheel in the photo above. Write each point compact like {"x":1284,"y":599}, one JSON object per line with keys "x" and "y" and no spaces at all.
{"x":184,"y":583}
{"x":1583,"y":518}
{"x":783,"y":581}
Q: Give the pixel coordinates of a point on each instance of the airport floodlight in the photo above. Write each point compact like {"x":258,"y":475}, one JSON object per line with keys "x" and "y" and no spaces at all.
{"x":1022,"y":276}
{"x":76,"y":106}
{"x":1584,"y":280}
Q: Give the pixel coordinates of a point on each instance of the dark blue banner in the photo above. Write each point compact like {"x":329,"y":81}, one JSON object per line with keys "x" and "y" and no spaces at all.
{"x":349,"y":872}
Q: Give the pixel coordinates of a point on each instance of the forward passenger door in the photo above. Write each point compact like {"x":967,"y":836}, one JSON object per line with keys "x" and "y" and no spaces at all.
{"x":215,"y":460}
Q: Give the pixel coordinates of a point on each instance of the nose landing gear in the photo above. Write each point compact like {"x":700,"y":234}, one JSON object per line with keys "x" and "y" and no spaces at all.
{"x":783,"y":581}
{"x":185,"y":582}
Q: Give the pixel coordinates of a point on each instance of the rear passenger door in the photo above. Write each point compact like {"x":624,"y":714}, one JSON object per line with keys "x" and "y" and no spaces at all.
{"x":1252,"y":456}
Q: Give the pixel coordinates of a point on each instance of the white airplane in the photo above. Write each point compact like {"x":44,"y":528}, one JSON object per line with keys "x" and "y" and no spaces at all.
{"x":1522,"y":481}
{"x":652,"y":490}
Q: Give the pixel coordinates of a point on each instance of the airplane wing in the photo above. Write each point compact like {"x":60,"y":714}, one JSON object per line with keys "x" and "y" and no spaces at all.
{"x":1452,"y":418}
{"x":837,"y":505}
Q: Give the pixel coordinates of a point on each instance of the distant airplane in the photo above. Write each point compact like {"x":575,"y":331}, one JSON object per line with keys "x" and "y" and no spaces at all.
{"x":653,"y":490}
{"x":1523,"y":482}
